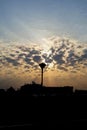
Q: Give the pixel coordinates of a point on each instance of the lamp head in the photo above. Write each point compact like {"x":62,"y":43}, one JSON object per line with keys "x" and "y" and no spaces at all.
{"x":42,"y":65}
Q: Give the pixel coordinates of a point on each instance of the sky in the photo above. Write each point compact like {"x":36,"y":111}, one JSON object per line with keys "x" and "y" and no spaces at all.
{"x":50,"y":31}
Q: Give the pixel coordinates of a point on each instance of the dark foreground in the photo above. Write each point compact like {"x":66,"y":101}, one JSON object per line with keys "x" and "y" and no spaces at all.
{"x":43,"y":112}
{"x":52,"y":109}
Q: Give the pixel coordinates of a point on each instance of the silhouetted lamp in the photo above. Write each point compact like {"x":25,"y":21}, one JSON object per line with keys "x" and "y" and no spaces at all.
{"x":42,"y":66}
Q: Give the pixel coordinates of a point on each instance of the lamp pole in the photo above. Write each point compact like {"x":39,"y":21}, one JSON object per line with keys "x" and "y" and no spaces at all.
{"x":42,"y":66}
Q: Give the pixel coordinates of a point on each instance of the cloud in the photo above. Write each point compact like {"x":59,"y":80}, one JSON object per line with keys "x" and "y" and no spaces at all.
{"x":48,"y":60}
{"x":62,"y":68}
{"x":84,"y":56}
{"x":59,"y":59}
{"x":72,"y":58}
{"x":65,"y":58}
{"x":28,"y":61}
{"x":12,"y":61}
{"x":22,"y":55}
{"x":34,"y":52}
{"x":37,"y":59}
{"x":62,"y":52}
{"x":68,"y":52}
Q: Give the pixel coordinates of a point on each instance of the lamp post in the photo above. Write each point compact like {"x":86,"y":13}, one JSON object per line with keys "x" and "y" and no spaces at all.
{"x":42,"y":66}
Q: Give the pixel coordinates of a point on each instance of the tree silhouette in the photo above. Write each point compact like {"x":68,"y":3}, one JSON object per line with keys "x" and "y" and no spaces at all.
{"x":42,"y":66}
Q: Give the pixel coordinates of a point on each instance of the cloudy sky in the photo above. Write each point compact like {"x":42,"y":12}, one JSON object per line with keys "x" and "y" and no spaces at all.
{"x":50,"y":31}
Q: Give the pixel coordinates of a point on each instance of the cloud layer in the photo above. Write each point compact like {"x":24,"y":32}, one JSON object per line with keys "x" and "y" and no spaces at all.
{"x":62,"y":55}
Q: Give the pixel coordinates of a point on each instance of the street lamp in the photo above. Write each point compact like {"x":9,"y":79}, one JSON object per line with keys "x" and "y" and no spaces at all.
{"x":42,"y":66}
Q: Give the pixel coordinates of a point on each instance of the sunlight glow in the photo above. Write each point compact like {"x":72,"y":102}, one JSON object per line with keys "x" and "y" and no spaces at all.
{"x":50,"y":65}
